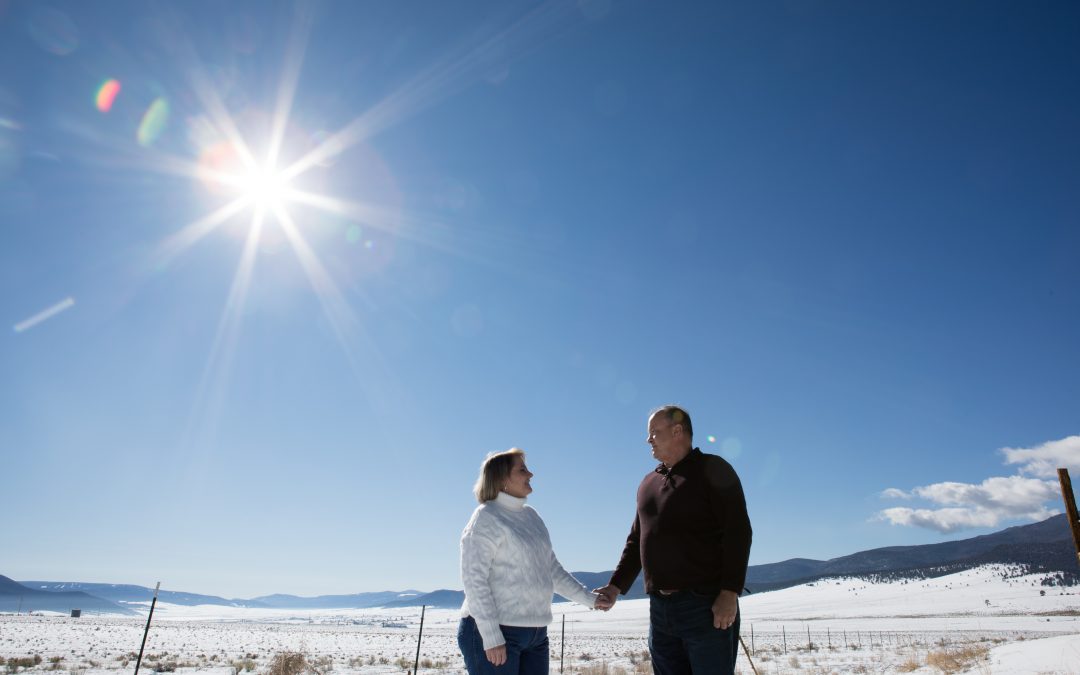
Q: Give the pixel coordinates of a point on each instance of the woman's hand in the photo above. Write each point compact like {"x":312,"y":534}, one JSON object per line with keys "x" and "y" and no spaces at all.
{"x":497,"y":655}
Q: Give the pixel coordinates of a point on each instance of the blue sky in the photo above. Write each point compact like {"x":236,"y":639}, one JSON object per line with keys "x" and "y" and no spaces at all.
{"x":843,"y":235}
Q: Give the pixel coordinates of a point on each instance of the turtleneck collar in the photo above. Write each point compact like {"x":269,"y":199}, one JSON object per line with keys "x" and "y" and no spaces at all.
{"x":510,"y":502}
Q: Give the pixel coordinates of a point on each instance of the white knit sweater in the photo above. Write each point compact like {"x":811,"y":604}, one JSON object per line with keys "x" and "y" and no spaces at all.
{"x":510,"y":571}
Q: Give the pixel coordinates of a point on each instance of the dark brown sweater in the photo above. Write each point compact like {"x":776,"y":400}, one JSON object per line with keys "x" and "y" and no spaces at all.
{"x":691,"y":531}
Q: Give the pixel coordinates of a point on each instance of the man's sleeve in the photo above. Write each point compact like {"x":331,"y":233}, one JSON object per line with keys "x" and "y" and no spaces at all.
{"x":729,"y":508}
{"x":630,"y":563}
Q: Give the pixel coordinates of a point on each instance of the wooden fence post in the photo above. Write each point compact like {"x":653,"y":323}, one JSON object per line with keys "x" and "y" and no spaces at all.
{"x":562,"y":644}
{"x":419,"y":639}
{"x":1070,"y":509}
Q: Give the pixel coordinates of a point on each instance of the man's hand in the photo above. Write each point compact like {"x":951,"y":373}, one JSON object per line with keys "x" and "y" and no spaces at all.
{"x":606,"y":596}
{"x":724,"y":609}
{"x":497,"y":655}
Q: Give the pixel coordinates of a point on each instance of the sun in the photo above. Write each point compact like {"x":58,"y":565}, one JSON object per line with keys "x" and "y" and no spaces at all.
{"x":263,"y":186}
{"x":229,"y":169}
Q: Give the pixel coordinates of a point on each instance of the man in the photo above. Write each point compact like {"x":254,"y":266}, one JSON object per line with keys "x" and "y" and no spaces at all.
{"x":692,"y":536}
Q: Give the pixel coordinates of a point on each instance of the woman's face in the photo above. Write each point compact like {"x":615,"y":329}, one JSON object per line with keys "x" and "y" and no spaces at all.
{"x":517,"y":484}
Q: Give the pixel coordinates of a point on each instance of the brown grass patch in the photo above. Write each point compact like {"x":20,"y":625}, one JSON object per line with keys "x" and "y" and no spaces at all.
{"x":288,"y":663}
{"x":956,"y":659}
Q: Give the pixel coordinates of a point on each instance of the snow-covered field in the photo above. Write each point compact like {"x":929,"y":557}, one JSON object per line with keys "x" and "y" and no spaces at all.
{"x":981,"y":621}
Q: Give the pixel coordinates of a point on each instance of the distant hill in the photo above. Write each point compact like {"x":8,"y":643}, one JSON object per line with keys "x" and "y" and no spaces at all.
{"x":130,"y":593}
{"x":798,"y":570}
{"x":8,"y":586}
{"x":1044,"y":546}
{"x":15,"y":597}
{"x":443,"y":598}
{"x":1056,"y":558}
{"x":356,"y":600}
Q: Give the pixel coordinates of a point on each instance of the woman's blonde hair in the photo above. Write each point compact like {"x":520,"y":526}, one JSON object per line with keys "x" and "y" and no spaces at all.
{"x":494,"y":471}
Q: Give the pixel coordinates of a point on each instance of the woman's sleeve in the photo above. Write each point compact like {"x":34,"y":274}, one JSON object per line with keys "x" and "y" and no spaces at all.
{"x":478,"y":547}
{"x":565,"y":584}
{"x":569,"y":587}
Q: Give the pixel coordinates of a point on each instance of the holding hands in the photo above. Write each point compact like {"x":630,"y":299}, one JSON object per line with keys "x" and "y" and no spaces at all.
{"x":606,"y":596}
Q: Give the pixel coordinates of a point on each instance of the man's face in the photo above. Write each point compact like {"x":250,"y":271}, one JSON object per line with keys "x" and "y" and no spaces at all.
{"x":665,"y":439}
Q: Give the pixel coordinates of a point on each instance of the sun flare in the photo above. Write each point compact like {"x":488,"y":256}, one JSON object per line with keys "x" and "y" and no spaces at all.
{"x":264,"y":187}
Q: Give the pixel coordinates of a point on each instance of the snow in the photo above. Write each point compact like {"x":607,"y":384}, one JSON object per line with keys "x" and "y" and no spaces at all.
{"x":993,"y":616}
{"x":1050,"y":655}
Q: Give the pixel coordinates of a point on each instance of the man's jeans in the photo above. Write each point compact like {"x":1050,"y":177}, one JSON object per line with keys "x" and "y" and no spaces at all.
{"x":526,"y":650}
{"x":682,"y":639}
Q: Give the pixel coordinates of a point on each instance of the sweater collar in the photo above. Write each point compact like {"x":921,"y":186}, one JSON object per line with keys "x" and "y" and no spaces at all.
{"x":691,"y":457}
{"x":510,"y":502}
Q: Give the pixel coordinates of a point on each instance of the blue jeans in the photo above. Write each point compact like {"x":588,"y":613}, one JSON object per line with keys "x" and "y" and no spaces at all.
{"x":526,"y":650}
{"x":682,"y":639}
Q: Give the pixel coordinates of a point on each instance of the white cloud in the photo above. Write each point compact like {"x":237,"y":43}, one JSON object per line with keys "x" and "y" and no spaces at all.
{"x":1044,"y":460}
{"x":894,"y":493}
{"x":966,"y":505}
{"x":1014,"y":496}
{"x":943,"y":520}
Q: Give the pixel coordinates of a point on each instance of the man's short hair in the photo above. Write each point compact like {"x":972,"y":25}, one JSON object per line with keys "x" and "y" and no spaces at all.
{"x":676,"y":415}
{"x":494,"y":471}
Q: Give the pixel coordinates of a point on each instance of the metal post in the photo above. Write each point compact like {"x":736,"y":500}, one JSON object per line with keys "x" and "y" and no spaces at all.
{"x":1070,"y":508}
{"x":153,"y":603}
{"x":783,"y":633}
{"x":809,"y":644}
{"x":753,"y":648}
{"x":562,"y":643}
{"x":416,"y":663}
{"x":828,"y":636}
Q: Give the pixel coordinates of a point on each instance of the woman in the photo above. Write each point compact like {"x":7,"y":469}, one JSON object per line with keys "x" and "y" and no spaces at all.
{"x":509,"y":572}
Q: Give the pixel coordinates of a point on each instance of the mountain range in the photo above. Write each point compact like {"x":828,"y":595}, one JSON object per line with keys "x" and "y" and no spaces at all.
{"x":15,"y":597}
{"x":988,"y":548}
{"x":1044,"y":546}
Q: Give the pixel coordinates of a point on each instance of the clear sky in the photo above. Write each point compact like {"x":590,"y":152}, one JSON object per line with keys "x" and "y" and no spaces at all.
{"x":277,"y":276}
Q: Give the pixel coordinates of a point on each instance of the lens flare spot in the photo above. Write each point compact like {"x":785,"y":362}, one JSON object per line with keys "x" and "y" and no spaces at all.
{"x":731,"y":448}
{"x":369,"y":244}
{"x":216,"y":161}
{"x":712,"y":439}
{"x":106,"y":95}
{"x":153,"y":122}
{"x":44,"y":315}
{"x":353,"y":234}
